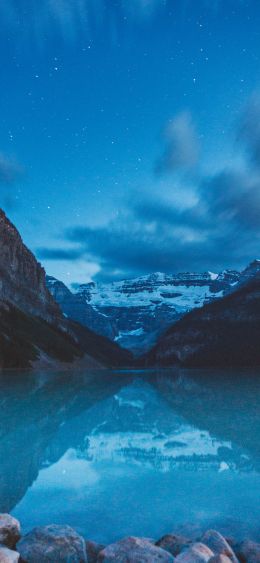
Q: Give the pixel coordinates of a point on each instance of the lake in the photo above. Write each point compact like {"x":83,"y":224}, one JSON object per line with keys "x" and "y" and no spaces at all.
{"x":132,"y":453}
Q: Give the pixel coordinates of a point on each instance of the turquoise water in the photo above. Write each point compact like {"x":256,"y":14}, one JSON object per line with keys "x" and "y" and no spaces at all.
{"x":120,"y":453}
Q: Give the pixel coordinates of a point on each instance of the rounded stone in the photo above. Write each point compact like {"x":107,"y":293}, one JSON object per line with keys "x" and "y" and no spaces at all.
{"x":8,"y":555}
{"x":248,"y":551}
{"x":134,"y":550}
{"x":53,"y":544}
{"x":93,"y":549}
{"x":196,"y":553}
{"x":215,"y":541}
{"x":10,"y":530}
{"x":220,"y":559}
{"x":173,"y":544}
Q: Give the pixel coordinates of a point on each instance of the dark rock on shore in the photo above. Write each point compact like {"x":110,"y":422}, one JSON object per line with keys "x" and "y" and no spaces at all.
{"x":62,"y":544}
{"x":248,"y":552}
{"x":218,"y":544}
{"x":10,"y":530}
{"x":93,"y":550}
{"x":8,"y":555}
{"x":219,"y":559}
{"x":173,"y":544}
{"x":133,"y":550}
{"x":196,"y":553}
{"x":52,"y":544}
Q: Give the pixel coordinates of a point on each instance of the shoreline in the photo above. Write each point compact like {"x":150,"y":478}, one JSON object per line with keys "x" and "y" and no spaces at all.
{"x":62,"y":544}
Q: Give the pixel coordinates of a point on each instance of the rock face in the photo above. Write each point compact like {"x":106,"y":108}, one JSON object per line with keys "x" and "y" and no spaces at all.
{"x":133,"y":550}
{"x":10,"y":530}
{"x":33,"y":329}
{"x":225,"y":332}
{"x":57,"y":544}
{"x":22,"y":278}
{"x":135,"y":312}
{"x":75,"y":307}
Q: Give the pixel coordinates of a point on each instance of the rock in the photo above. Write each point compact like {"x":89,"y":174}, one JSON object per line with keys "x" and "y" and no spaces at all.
{"x":8,"y":555}
{"x":93,"y":549}
{"x":57,"y":544}
{"x":173,"y":544}
{"x":10,"y":530}
{"x":215,"y":541}
{"x":22,"y":277}
{"x":197,"y":553}
{"x":134,"y":550}
{"x":248,"y":551}
{"x":220,"y":559}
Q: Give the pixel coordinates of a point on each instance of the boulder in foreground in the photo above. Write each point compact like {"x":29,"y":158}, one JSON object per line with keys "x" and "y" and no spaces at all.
{"x":248,"y":551}
{"x":52,"y":544}
{"x":220,"y":559}
{"x":10,"y":530}
{"x":197,"y":553}
{"x":215,"y":541}
{"x":8,"y":555}
{"x":133,"y":550}
{"x":173,"y":544}
{"x":93,"y":549}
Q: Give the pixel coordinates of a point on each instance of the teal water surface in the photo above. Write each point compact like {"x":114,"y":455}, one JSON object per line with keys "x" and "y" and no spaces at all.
{"x":132,"y":453}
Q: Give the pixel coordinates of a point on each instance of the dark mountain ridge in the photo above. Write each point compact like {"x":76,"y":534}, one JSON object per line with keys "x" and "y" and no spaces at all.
{"x":33,"y":329}
{"x":225,"y":332}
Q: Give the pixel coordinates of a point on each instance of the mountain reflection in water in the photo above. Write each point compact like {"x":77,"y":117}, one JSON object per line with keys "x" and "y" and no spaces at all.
{"x":140,"y":453}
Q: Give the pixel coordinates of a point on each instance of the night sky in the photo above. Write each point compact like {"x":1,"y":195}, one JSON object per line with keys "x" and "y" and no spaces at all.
{"x":130,"y":134}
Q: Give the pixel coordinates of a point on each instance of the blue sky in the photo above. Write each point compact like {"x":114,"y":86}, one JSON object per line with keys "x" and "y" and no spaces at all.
{"x":130,"y":133}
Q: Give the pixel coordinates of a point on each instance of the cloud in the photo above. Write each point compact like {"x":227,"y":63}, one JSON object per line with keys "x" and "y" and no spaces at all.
{"x":59,"y":254}
{"x":216,"y":228}
{"x":145,"y":8}
{"x":181,"y":150}
{"x":249,"y":130}
{"x":233,"y":197}
{"x":70,"y":18}
{"x":128,"y":248}
{"x":10,"y":170}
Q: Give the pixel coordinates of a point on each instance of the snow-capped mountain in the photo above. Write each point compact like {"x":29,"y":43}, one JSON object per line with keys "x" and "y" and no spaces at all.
{"x":135,"y":312}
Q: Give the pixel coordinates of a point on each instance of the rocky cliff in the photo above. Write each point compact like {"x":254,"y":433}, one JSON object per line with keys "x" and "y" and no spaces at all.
{"x":22,"y":278}
{"x":33,"y":329}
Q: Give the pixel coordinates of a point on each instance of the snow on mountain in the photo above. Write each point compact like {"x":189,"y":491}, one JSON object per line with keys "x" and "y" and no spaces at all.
{"x":135,"y":312}
{"x":180,"y":292}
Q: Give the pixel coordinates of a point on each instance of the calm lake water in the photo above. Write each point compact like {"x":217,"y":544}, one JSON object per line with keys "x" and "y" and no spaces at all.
{"x":120,"y":453}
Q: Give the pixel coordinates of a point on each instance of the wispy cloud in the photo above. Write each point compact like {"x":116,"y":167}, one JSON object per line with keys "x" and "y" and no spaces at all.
{"x":249,"y":130}
{"x":70,"y":18}
{"x":10,"y":170}
{"x":181,"y":145}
